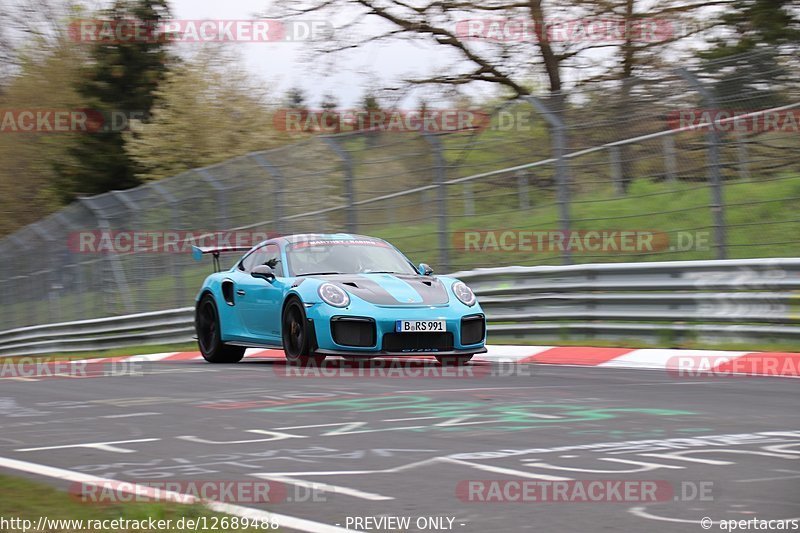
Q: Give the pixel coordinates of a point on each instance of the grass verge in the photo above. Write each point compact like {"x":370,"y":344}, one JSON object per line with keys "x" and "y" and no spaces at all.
{"x":30,"y":500}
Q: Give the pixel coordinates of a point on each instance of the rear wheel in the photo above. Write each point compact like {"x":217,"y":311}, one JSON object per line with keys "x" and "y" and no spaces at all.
{"x":209,"y":335}
{"x":453,"y":360}
{"x":295,"y":335}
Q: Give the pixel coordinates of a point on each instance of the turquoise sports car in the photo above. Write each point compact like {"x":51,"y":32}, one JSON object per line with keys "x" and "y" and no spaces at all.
{"x":334,"y":294}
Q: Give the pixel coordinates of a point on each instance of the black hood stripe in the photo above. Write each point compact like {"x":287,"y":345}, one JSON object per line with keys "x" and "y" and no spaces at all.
{"x":430,"y":290}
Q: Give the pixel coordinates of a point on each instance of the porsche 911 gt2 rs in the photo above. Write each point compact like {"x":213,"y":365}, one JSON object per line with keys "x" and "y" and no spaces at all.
{"x":334,"y":294}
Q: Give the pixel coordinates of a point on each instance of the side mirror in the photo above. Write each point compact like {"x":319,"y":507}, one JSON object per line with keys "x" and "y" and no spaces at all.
{"x":264,"y":272}
{"x":424,"y":269}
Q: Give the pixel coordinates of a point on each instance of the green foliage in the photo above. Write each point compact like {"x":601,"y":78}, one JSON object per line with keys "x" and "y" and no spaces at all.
{"x":754,"y":24}
{"x":46,"y":80}
{"x":207,"y":110}
{"x":121,"y":77}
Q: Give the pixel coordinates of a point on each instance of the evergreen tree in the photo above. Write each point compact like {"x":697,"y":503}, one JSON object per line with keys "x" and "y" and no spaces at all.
{"x":296,"y":99}
{"x":749,"y":59}
{"x":331,"y":117}
{"x":120,"y":80}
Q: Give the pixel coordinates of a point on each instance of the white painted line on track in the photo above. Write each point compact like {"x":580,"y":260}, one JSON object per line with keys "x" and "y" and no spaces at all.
{"x":642,"y":513}
{"x":796,"y":475}
{"x":667,"y":359}
{"x":105,"y":446}
{"x":413,"y":418}
{"x":505,"y":471}
{"x":475,"y":389}
{"x":336,"y":489}
{"x":290,"y":522}
{"x":130,"y":415}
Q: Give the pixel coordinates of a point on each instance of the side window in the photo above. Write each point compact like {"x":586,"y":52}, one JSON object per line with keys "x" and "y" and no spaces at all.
{"x":248,"y":262}
{"x":272,"y":257}
{"x":269,"y":254}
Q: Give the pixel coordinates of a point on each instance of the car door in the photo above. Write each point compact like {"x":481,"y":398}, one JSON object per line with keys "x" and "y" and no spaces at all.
{"x":258,"y":301}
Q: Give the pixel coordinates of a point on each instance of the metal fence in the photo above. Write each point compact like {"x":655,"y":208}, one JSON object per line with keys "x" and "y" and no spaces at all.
{"x":612,"y":173}
{"x":670,"y":303}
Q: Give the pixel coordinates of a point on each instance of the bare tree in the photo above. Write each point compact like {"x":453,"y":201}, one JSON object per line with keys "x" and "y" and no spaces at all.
{"x":506,"y":42}
{"x":33,"y":28}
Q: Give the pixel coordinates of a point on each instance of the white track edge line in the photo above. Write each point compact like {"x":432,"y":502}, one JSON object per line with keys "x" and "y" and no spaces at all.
{"x":290,"y":522}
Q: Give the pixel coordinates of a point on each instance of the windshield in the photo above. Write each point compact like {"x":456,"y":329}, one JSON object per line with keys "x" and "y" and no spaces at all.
{"x":346,"y":257}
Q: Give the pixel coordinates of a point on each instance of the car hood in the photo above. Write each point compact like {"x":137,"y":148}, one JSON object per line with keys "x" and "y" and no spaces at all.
{"x":392,"y":289}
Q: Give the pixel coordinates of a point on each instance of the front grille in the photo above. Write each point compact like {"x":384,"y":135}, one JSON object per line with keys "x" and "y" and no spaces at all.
{"x":418,"y":342}
{"x":473,"y":329}
{"x":353,"y":331}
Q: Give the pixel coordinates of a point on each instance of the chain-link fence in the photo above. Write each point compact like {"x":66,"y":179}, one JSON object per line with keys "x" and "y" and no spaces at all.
{"x":615,"y":172}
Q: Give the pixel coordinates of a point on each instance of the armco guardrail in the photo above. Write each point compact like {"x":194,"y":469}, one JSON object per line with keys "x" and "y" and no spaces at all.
{"x":142,"y":329}
{"x":734,"y":301}
{"x":748,"y":301}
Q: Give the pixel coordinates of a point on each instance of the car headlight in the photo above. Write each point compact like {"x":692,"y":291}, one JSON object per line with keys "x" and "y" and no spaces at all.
{"x":464,"y":293}
{"x":333,"y":295}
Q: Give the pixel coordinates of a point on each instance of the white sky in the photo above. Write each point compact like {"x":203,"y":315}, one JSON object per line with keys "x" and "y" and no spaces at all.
{"x":283,"y":65}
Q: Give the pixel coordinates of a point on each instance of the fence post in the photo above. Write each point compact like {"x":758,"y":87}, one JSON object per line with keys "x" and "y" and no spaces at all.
{"x":113,"y":259}
{"x":349,"y":186}
{"x":136,"y":259}
{"x":22,"y":293}
{"x":440,"y":176}
{"x":7,"y":300}
{"x":53,"y":285}
{"x":72,"y":285}
{"x":279,"y":183}
{"x":523,"y":191}
{"x":717,"y":202}
{"x":670,"y":165}
{"x":222,"y":197}
{"x":616,"y":171}
{"x":742,"y":152}
{"x":559,"y":142}
{"x":175,"y":271}
{"x":469,"y":199}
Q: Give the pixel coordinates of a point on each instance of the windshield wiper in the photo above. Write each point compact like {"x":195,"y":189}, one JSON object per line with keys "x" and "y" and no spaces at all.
{"x":318,"y":274}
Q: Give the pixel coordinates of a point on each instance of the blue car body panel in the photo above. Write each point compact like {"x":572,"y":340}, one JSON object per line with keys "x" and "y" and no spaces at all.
{"x":250,"y":312}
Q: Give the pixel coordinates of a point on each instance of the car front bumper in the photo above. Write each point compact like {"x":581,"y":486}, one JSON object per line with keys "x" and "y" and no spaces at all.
{"x":323,"y":316}
{"x":382,"y":353}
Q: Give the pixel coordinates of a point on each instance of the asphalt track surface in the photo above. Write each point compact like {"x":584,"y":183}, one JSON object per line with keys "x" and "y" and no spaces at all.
{"x":380,"y":446}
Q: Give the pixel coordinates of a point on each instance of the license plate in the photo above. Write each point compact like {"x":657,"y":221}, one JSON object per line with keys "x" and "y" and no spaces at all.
{"x":406,"y":326}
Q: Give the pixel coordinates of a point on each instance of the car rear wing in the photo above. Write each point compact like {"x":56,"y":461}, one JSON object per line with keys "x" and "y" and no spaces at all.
{"x":199,"y":251}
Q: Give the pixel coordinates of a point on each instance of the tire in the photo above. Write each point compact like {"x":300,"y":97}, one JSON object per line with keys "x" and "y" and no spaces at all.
{"x":295,"y":335}
{"x":206,"y":323}
{"x":454,"y":360}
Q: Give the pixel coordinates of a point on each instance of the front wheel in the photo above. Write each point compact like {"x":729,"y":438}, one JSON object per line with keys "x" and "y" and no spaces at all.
{"x":453,"y":360}
{"x":209,"y":335}
{"x":295,"y":335}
